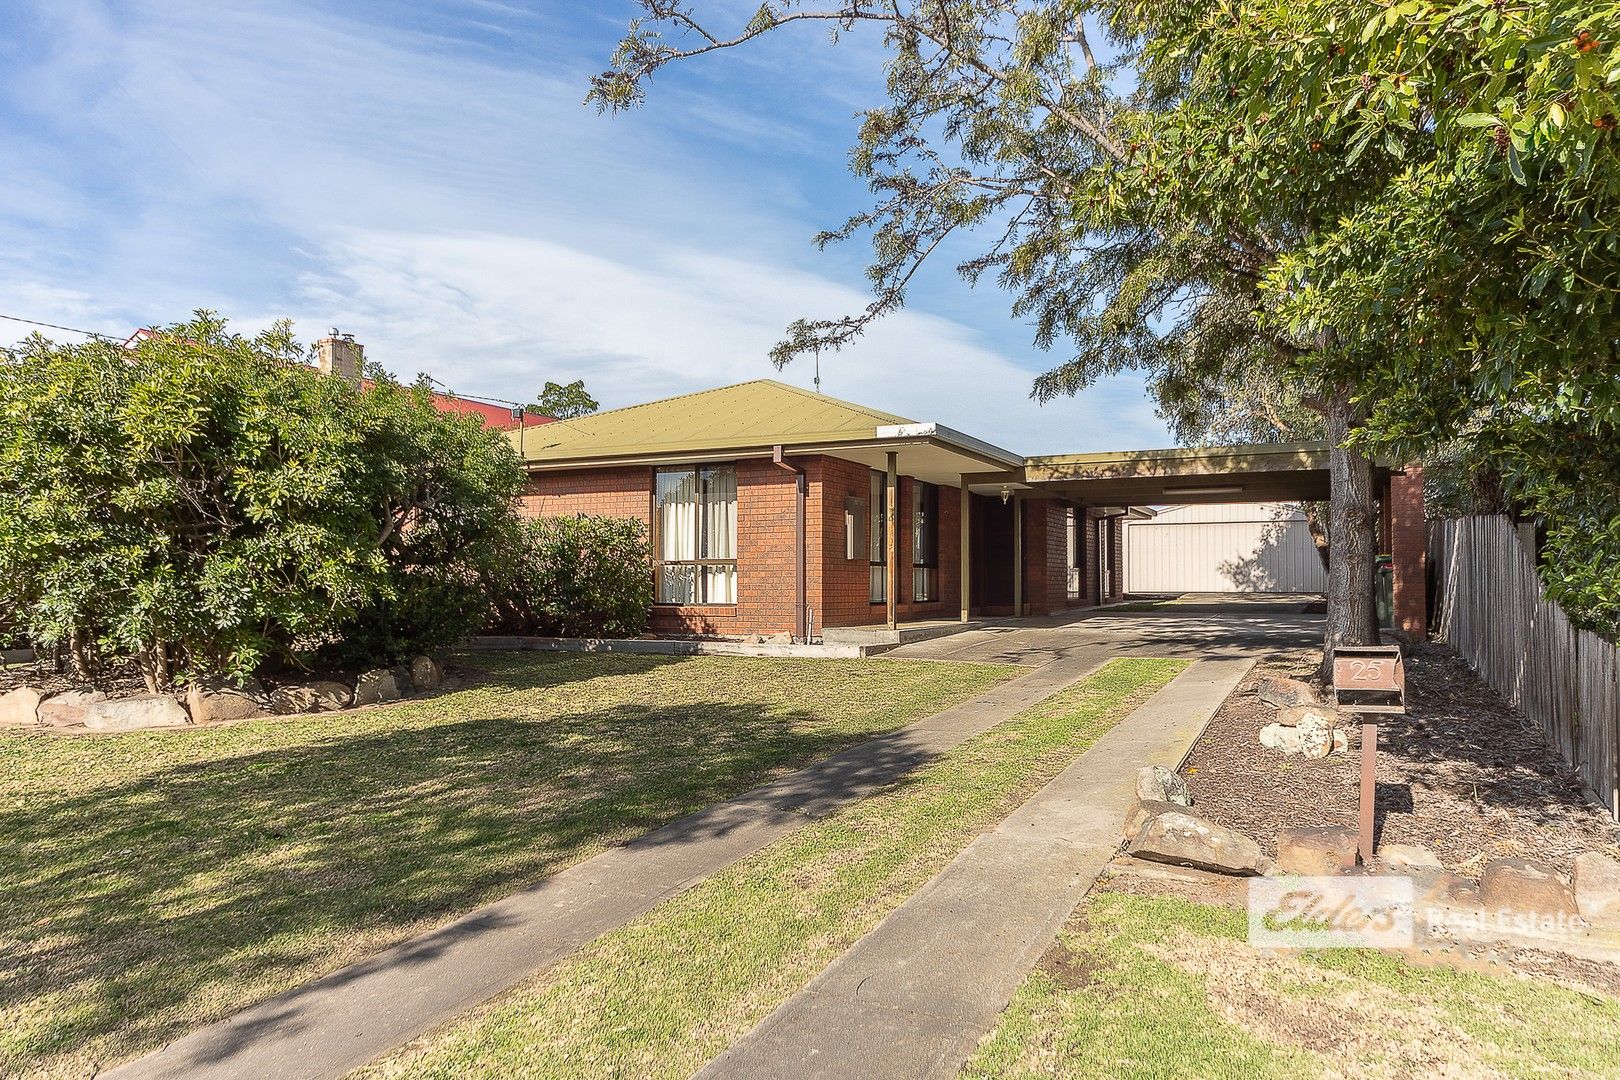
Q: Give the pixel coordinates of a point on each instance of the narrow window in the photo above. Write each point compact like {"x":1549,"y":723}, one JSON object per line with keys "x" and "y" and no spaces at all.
{"x":696,"y":519}
{"x":924,"y":541}
{"x":1072,"y":547}
{"x":878,"y":572}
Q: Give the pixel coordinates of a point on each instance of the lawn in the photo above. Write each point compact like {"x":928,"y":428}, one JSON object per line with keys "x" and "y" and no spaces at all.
{"x":667,"y":992}
{"x":1166,"y":989}
{"x":154,"y":881}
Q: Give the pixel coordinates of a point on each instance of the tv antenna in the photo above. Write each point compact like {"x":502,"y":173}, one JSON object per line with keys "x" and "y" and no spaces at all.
{"x":818,"y":369}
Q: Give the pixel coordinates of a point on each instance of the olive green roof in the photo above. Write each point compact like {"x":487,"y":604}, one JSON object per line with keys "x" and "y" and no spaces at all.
{"x":745,"y":416}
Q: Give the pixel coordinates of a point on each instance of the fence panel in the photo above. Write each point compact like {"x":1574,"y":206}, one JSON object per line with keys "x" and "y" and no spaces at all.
{"x":1567,"y":681}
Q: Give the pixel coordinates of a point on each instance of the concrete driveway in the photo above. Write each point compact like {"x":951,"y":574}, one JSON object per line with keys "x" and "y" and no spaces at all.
{"x":1208,"y":630}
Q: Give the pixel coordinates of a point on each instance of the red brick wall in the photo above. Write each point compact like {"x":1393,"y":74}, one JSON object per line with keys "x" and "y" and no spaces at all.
{"x":837,"y":588}
{"x":1408,"y":544}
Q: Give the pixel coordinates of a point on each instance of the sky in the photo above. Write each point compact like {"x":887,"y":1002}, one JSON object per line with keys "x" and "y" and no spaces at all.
{"x":426,"y":176}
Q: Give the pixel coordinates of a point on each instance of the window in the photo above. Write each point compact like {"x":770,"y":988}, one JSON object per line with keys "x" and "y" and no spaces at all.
{"x":877,"y":535}
{"x":924,"y":541}
{"x":1072,"y":546}
{"x":1105,"y":560}
{"x":695,"y":516}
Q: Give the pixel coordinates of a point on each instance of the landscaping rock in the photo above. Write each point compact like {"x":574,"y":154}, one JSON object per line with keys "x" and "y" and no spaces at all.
{"x":1155,"y":783}
{"x":1448,"y":890}
{"x":318,"y":696}
{"x":1597,"y":889}
{"x":1142,"y":811}
{"x":1341,"y":742}
{"x":67,"y":709}
{"x":1294,"y":715}
{"x":1283,"y":693}
{"x":1413,"y":860}
{"x":1525,"y":885}
{"x":1284,"y":740}
{"x":380,"y":685}
{"x":1315,"y":736}
{"x":784,"y":638}
{"x":1316,"y":852}
{"x":135,"y":713}
{"x":209,"y":705}
{"x":426,"y":674}
{"x":20,"y":707}
{"x":1182,"y":839}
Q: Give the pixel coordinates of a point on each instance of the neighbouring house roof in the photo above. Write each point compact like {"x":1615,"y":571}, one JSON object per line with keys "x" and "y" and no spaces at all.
{"x":748,"y":419}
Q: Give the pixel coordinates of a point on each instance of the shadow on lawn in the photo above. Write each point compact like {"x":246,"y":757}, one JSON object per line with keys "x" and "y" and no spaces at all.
{"x":201,"y":886}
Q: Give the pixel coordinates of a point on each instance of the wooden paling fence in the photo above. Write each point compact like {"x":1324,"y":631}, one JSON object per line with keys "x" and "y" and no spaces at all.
{"x":1491,"y":610}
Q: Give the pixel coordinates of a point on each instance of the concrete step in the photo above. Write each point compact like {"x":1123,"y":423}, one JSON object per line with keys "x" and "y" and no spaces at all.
{"x":882,"y":635}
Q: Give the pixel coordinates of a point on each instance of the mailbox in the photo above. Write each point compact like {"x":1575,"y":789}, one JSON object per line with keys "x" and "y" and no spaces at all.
{"x":1369,"y":678}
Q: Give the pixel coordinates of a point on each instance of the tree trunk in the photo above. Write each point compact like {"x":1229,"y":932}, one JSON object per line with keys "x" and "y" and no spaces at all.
{"x":1314,"y":512}
{"x":1352,"y":536}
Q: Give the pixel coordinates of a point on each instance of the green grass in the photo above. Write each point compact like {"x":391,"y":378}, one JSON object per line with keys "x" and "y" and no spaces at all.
{"x":667,"y":992}
{"x":154,"y":881}
{"x":1161,"y":988}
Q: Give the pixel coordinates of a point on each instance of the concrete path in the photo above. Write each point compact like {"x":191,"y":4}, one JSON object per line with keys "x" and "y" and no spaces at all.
{"x":913,"y":997}
{"x":357,"y":1014}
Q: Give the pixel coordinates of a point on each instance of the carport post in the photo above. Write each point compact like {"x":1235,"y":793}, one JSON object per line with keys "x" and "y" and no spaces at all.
{"x":1018,"y":555}
{"x":963,"y":586}
{"x":891,"y":513}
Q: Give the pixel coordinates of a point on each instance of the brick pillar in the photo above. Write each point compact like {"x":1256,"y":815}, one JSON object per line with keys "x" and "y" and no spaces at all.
{"x":1409,"y":546}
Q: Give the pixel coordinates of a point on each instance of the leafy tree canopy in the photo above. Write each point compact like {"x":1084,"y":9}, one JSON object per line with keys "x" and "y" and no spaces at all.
{"x":205,"y":502}
{"x":564,"y":401}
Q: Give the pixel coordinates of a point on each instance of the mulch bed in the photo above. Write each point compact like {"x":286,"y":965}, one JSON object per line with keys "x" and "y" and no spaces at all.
{"x":1461,"y":773}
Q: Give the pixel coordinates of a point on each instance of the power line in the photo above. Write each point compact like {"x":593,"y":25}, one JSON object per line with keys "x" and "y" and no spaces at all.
{"x":54,"y":326}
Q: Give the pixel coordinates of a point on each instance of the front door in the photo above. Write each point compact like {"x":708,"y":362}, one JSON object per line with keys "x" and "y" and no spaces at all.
{"x":992,"y":539}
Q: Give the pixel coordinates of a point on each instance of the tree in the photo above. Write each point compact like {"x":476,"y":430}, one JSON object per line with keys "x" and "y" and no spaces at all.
{"x":1131,"y":212}
{"x":565,"y":401}
{"x":204,"y":502}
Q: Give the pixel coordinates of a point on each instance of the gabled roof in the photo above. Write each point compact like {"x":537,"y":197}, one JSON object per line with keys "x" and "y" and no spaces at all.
{"x":746,"y":416}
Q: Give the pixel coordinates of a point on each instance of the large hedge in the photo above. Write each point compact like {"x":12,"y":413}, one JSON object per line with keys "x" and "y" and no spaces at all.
{"x":204,"y":502}
{"x":574,"y":577}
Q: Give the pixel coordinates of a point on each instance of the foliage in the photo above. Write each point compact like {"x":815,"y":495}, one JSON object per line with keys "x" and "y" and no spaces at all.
{"x":565,"y":401}
{"x":573,"y":577}
{"x":203,"y":501}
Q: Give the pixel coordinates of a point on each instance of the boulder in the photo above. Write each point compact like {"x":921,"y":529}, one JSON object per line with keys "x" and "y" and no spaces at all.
{"x":135,"y":713}
{"x":1283,"y":693}
{"x":1294,"y":715}
{"x":1182,"y":839}
{"x":1142,"y":810}
{"x":1597,"y":889}
{"x":1284,"y":740}
{"x":426,"y":674}
{"x":1155,"y":783}
{"x":1412,"y":860}
{"x":1316,"y":852}
{"x":67,"y":709}
{"x":20,"y":707}
{"x":1315,"y":736}
{"x":1525,"y":885}
{"x":1341,"y":741}
{"x":318,"y":696}
{"x":380,"y":685}
{"x":1448,"y":890}
{"x":209,"y":705}
{"x":783,"y":638}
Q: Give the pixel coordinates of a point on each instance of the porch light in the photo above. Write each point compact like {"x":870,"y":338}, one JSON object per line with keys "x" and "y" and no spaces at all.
{"x":1006,"y":494}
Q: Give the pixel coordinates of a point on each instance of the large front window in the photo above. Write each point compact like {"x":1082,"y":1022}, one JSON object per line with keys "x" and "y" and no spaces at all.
{"x":695,"y":514}
{"x":924,"y":541}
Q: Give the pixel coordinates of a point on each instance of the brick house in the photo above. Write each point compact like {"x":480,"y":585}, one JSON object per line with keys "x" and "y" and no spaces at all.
{"x":775,"y":510}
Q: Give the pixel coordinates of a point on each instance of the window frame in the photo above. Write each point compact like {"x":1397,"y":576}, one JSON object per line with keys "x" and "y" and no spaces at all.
{"x":924,"y":525}
{"x":701,"y":580}
{"x":877,"y":538}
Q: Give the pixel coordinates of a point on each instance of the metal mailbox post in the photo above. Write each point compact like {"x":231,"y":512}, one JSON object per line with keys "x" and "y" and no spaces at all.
{"x":1371,"y":680}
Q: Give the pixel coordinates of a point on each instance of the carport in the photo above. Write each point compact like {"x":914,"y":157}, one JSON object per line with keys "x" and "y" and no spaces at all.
{"x":1046,"y":495}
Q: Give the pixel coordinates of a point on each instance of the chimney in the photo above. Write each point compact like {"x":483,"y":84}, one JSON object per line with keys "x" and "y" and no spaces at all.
{"x":340,"y":355}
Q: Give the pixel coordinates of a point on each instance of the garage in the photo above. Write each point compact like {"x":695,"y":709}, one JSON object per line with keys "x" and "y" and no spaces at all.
{"x":1223,"y":548}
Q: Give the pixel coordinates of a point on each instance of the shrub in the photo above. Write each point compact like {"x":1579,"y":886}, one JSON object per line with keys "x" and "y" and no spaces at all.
{"x":574,"y":577}
{"x":204,"y":502}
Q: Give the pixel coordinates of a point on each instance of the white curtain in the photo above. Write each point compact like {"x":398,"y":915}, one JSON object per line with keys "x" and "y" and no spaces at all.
{"x":697,"y":519}
{"x":677,"y":536}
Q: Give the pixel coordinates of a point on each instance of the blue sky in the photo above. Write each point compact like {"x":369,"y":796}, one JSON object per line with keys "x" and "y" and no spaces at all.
{"x":425,"y":176}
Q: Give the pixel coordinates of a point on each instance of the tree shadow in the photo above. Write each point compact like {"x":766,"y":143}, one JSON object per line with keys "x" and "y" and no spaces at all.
{"x":200,"y":886}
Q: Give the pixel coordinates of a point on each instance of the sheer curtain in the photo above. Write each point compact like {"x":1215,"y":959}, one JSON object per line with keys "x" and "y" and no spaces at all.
{"x":720,"y":535}
{"x":697,"y":535}
{"x":677,"y":536}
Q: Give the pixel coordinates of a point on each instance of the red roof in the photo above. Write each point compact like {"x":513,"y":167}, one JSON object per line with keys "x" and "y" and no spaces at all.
{"x":494,"y":416}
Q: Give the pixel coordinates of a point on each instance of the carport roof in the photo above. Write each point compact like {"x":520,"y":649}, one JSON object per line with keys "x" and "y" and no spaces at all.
{"x":1260,"y":472}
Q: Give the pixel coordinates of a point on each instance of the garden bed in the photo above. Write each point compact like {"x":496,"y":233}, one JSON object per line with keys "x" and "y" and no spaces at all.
{"x":1461,"y":773}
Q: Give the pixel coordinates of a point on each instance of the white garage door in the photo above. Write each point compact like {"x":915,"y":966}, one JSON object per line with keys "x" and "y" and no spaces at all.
{"x":1237,"y":547}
